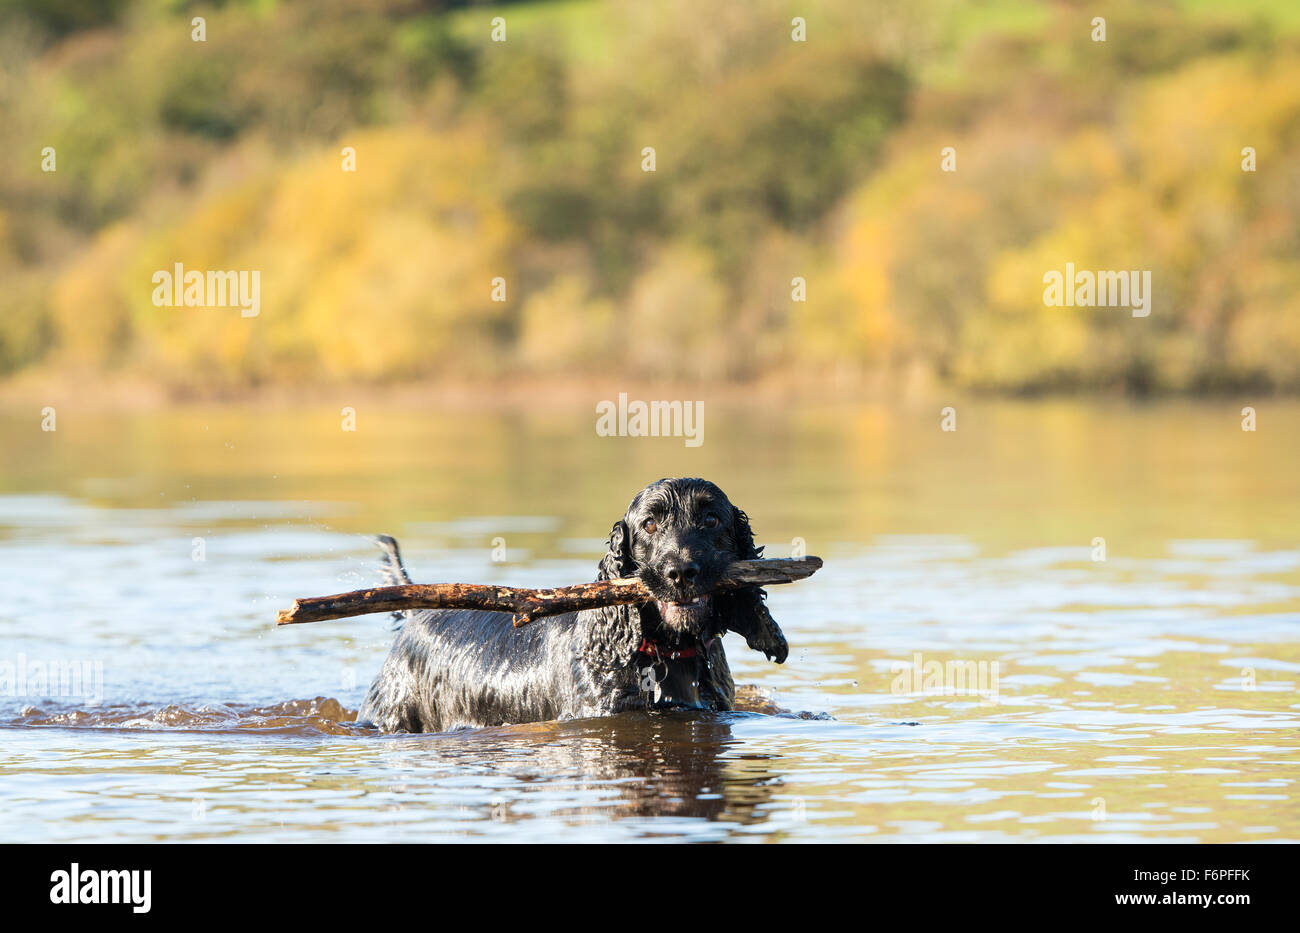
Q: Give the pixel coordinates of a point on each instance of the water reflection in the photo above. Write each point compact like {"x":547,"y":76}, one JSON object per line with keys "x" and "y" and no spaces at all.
{"x":1161,"y":681}
{"x":675,"y":765}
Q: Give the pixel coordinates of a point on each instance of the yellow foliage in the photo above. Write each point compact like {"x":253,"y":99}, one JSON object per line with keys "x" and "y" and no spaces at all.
{"x":564,"y":329}
{"x":93,"y":321}
{"x":1160,"y":190}
{"x":776,"y":160}
{"x":383,"y":272}
{"x":677,"y":318}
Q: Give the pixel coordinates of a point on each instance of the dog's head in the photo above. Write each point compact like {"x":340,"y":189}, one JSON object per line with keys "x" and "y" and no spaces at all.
{"x":678,"y":536}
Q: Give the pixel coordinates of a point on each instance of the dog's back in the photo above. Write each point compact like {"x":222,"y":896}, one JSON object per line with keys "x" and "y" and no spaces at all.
{"x":450,"y":668}
{"x":464,"y":667}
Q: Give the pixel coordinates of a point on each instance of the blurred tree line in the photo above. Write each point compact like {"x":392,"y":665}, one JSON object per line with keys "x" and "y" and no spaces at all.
{"x":774,"y":160}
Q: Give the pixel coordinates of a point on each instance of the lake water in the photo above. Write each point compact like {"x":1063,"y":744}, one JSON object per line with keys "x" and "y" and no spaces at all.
{"x":1151,"y":695}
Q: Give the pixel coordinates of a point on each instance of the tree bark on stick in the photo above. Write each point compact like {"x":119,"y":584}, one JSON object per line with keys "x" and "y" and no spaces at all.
{"x":525,"y":604}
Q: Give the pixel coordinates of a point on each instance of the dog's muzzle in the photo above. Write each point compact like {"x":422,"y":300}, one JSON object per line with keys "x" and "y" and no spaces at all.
{"x":682,"y":615}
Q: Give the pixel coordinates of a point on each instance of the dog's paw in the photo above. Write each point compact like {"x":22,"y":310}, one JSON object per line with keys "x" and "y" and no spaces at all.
{"x":770,"y":641}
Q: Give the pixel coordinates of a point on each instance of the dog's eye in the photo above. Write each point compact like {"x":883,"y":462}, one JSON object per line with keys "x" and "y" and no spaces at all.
{"x":650,"y":525}
{"x":710,"y":521}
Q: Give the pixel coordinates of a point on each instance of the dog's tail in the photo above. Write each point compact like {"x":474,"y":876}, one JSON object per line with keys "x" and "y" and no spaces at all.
{"x":393,"y":570}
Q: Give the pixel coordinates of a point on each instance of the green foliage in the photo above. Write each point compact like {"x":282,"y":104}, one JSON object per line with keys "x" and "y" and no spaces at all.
{"x":775,"y":159}
{"x":61,"y":17}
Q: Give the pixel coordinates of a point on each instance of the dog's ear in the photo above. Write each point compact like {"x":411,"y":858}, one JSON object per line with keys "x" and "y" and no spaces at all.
{"x":617,"y":561}
{"x":744,"y":611}
{"x":613,"y":632}
{"x":743,"y":535}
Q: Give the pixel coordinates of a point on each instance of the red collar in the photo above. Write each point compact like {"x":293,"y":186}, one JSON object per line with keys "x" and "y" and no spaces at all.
{"x":652,"y":649}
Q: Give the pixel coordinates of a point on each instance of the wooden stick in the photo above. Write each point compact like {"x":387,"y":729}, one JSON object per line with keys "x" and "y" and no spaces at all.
{"x":525,"y":604}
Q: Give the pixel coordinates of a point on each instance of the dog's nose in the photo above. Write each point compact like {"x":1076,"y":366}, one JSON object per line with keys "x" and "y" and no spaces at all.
{"x":682,"y":572}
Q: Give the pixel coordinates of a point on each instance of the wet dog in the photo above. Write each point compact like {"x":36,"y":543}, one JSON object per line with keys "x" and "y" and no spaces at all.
{"x":451,"y":668}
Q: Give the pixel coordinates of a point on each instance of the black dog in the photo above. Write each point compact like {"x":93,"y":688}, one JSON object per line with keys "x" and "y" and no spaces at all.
{"x":452,"y":668}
